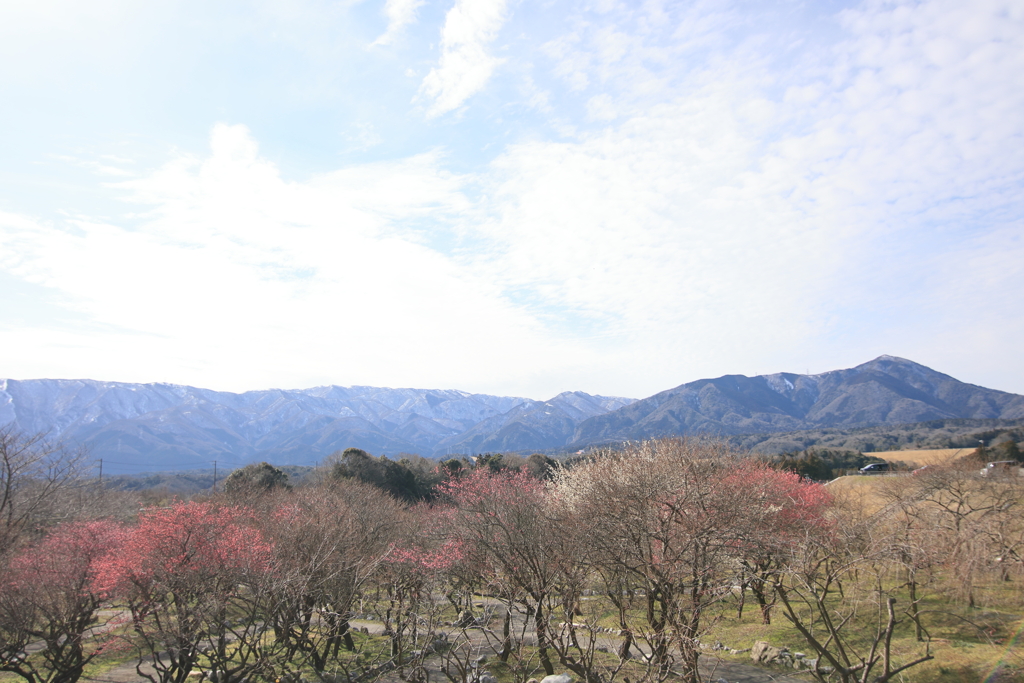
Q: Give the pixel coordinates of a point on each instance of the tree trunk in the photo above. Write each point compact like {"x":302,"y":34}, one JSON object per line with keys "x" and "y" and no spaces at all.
{"x":627,"y":642}
{"x":542,"y":640}
{"x":918,"y":631}
{"x":506,"y":635}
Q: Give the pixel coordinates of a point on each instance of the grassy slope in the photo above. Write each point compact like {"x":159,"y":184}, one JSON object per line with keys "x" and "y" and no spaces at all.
{"x":968,"y":644}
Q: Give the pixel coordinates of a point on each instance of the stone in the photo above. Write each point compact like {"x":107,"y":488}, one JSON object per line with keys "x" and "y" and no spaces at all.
{"x":557,"y":678}
{"x":811,"y":663}
{"x":763,"y":653}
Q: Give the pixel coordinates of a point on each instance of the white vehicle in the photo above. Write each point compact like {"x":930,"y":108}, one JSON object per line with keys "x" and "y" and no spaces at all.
{"x":1001,"y":467}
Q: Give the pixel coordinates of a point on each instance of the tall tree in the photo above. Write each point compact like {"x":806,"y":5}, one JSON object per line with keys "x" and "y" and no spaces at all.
{"x":329,"y":541}
{"x":33,"y":473}
{"x":192,"y":577}
{"x":255,"y":479}
{"x":837,"y":593}
{"x":670,"y":520}
{"x":47,"y":595}
{"x":505,"y":520}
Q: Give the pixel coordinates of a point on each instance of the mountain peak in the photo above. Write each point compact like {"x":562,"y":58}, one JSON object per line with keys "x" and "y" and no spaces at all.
{"x":886,"y":390}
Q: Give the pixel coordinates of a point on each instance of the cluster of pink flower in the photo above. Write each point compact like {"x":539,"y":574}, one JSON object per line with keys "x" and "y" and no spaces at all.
{"x":426,"y":560}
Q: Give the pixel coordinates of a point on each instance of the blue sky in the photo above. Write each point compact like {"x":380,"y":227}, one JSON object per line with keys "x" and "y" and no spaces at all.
{"x":509,"y":197}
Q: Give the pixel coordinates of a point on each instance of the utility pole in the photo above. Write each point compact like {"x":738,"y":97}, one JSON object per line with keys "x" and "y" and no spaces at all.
{"x":101,"y":472}
{"x":215,"y":476}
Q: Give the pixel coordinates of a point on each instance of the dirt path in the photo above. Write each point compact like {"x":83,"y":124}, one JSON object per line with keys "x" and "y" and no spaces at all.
{"x":123,"y":673}
{"x":713,"y":670}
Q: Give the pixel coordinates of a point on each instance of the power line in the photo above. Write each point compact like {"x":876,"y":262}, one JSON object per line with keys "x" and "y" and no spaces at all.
{"x":199,"y":465}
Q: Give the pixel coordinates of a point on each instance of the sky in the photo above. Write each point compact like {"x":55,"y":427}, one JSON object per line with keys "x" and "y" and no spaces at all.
{"x":514,"y":197}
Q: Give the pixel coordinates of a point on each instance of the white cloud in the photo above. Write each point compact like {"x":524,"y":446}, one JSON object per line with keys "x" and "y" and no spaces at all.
{"x":727,"y":189}
{"x":237,"y":278}
{"x":799,"y":215}
{"x":465,"y":65}
{"x":662,"y":237}
{"x":601,"y":108}
{"x":99,"y":167}
{"x":400,"y":14}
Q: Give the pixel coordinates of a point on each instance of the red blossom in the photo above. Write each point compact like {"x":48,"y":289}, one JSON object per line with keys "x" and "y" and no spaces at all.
{"x":67,"y":558}
{"x":189,"y":544}
{"x":483,"y":486}
{"x":47,"y":596}
{"x":425,"y":560}
{"x":782,"y":500}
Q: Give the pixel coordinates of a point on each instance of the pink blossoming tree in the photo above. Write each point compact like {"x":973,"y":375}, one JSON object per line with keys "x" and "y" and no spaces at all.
{"x":47,"y":596}
{"x":193,"y":577}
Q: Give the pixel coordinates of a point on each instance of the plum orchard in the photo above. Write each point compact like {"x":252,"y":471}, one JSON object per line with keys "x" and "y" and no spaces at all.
{"x":665,"y":539}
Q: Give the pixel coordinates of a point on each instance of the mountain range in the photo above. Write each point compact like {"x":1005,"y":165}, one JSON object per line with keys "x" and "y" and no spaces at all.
{"x":134,"y":426}
{"x":886,"y":390}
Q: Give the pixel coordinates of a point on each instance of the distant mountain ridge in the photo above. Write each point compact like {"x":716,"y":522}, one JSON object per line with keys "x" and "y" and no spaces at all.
{"x":886,"y":390}
{"x":534,"y":425}
{"x":175,"y":425}
{"x":171,"y":425}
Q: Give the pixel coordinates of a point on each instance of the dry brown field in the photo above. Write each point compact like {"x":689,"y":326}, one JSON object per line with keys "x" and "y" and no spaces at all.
{"x":937,"y":456}
{"x":861,"y":491}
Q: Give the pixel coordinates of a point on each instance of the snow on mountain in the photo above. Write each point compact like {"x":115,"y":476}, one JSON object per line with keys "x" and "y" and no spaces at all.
{"x":154,"y":425}
{"x":178,"y":425}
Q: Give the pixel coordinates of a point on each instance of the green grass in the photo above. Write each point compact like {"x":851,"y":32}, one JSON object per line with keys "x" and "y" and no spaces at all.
{"x":967,"y":643}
